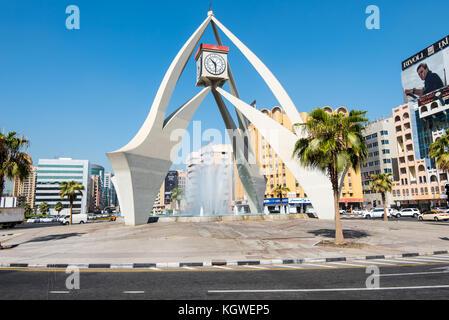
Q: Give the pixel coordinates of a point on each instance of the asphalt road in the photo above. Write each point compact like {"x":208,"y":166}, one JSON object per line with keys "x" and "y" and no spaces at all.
{"x":422,"y":282}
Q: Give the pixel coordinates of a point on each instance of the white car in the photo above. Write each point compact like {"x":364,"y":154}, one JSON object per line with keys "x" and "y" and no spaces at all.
{"x":78,"y":218}
{"x":33,"y":220}
{"x":375,"y":213}
{"x":46,"y":219}
{"x":407,"y":212}
{"x":311,"y":211}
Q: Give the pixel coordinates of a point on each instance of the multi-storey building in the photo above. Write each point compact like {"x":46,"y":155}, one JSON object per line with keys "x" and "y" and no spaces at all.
{"x":51,"y":172}
{"x":109,"y":194}
{"x":277,"y":173}
{"x":24,"y":190}
{"x":96,"y":193}
{"x":380,"y":138}
{"x":420,"y":183}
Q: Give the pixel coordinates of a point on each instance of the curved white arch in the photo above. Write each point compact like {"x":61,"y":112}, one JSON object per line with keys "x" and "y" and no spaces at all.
{"x":315,"y":184}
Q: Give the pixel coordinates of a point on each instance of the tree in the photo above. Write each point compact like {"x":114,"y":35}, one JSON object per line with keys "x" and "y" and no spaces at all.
{"x":44,"y":207}
{"x":13,"y":162}
{"x":382,"y":183}
{"x":333,"y":144}
{"x":27,"y":208}
{"x":176,"y":196}
{"x":70,"y":190}
{"x":279,"y":189}
{"x":59,"y":207}
{"x":440,"y":151}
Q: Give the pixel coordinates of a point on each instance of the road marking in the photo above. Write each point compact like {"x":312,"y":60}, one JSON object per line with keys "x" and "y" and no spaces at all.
{"x":188,"y":268}
{"x":252,"y":267}
{"x":411,"y":273}
{"x":426,"y":260}
{"x":400,"y":261}
{"x":57,"y":292}
{"x":348,"y":264}
{"x":328,"y":290}
{"x":433,"y":258}
{"x":133,"y":292}
{"x":286,"y":266}
{"x":153,"y":268}
{"x":317,"y":265}
{"x":375,"y":262}
{"x":220,"y":267}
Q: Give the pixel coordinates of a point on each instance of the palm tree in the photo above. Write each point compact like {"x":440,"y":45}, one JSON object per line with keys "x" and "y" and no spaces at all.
{"x":382,"y":183}
{"x":27,"y":209}
{"x":13,"y":162}
{"x":440,"y":151}
{"x":70,"y":190}
{"x":176,"y":196}
{"x":59,"y":207}
{"x":44,"y":207}
{"x":334,"y":144}
{"x":279,"y":189}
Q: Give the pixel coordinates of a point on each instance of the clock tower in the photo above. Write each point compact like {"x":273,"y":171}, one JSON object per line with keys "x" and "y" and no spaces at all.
{"x":211,"y":65}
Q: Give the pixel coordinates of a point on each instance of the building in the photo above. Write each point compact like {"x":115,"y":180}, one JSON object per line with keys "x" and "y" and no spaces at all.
{"x":24,"y":190}
{"x":96,"y":193}
{"x":420,"y":182}
{"x":380,"y":138}
{"x":109,"y":195}
{"x":51,"y":172}
{"x":277,"y":173}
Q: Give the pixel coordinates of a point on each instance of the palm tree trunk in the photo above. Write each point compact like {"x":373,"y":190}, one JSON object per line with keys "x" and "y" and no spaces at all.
{"x":339,"y":238}
{"x":385,"y":207}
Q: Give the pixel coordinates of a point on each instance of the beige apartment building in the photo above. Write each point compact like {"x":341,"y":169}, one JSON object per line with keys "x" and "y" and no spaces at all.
{"x":277,"y":173}
{"x":419,"y":183}
{"x":24,"y":190}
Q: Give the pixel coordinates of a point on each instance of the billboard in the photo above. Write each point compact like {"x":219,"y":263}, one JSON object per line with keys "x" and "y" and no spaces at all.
{"x":426,"y":72}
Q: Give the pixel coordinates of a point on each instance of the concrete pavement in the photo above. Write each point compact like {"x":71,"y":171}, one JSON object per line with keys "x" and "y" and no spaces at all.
{"x":168,"y":242}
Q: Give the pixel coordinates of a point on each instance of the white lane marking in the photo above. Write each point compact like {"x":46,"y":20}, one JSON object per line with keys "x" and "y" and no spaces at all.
{"x":153,"y":268}
{"x":188,"y":268}
{"x":410,"y":273}
{"x":348,"y":264}
{"x":425,"y":260}
{"x":133,"y":292}
{"x":57,"y":292}
{"x":251,"y":267}
{"x":317,"y":265}
{"x":329,"y":290}
{"x":375,"y":262}
{"x":220,"y":267}
{"x":401,"y":261}
{"x":433,"y":258}
{"x":288,"y":266}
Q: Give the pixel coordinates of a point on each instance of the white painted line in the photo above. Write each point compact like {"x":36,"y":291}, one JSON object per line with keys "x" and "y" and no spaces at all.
{"x":433,"y":258}
{"x":134,"y":292}
{"x":426,"y":260}
{"x":375,"y":262}
{"x":348,"y":264}
{"x":396,"y":261}
{"x":153,"y":268}
{"x":188,"y":268}
{"x":328,"y":290}
{"x":289,"y":266}
{"x":220,"y":267}
{"x":317,"y":265}
{"x":411,"y":273}
{"x":252,"y":267}
{"x":57,"y":292}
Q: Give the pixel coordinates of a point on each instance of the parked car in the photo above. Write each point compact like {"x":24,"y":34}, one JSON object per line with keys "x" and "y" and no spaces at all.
{"x":433,"y":215}
{"x":407,"y":212}
{"x":76,"y":218}
{"x":33,"y":220}
{"x":310,"y":211}
{"x":46,"y":219}
{"x":375,"y":213}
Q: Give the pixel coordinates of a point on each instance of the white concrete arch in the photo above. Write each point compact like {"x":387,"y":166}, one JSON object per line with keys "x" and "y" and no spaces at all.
{"x":314,"y":183}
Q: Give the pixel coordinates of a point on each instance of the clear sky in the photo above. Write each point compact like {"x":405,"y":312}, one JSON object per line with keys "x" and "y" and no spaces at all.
{"x":82,"y":93}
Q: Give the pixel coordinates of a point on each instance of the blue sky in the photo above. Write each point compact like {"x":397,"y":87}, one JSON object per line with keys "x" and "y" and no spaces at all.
{"x":82,"y":93}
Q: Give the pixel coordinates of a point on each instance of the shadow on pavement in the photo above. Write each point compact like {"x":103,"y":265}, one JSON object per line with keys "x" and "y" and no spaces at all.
{"x":55,"y":237}
{"x":348,"y":234}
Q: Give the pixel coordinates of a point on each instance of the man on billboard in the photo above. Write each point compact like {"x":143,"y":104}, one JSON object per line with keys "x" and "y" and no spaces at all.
{"x":432,"y":81}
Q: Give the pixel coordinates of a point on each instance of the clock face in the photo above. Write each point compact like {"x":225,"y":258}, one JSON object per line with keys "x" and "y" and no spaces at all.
{"x":215,"y":64}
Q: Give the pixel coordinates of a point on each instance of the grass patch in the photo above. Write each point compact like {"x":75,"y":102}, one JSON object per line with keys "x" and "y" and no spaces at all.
{"x":347,"y":244}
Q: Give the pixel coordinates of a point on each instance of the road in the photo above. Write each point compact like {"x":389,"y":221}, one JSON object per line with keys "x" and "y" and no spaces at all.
{"x":403,"y":278}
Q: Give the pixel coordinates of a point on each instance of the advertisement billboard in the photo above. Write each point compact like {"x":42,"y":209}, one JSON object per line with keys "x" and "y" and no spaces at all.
{"x":426,"y":72}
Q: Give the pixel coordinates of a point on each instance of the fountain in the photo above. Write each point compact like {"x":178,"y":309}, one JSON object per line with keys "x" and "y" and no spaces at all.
{"x":209,"y":184}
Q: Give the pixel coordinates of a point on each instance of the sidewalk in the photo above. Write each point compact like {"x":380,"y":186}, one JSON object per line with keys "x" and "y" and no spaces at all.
{"x":216,"y":242}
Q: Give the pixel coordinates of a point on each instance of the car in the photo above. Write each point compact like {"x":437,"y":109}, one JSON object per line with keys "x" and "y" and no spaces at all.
{"x":76,"y":218}
{"x":46,"y":219}
{"x":33,"y":220}
{"x":433,"y":215}
{"x":310,"y":211}
{"x":375,"y":213}
{"x":407,"y":212}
